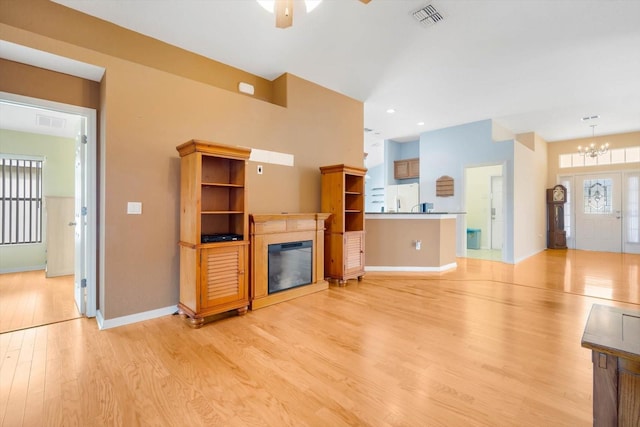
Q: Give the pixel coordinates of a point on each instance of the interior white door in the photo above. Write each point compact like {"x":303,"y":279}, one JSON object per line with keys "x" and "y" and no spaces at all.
{"x":497,"y":214}
{"x":60,"y":236}
{"x":80,"y":219}
{"x":598,"y":205}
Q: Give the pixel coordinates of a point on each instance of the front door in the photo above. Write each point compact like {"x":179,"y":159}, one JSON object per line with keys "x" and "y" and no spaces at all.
{"x":598,"y":209}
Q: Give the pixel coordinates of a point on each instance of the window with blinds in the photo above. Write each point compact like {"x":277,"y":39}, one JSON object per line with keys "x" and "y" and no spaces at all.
{"x":21,"y":200}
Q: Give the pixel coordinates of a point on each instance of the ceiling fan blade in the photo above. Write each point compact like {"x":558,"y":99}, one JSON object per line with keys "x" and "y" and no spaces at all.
{"x":284,"y":13}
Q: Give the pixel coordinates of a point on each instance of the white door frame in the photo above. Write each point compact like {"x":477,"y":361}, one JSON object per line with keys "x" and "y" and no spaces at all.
{"x":492,"y":225}
{"x":91,"y":180}
{"x":462,"y":224}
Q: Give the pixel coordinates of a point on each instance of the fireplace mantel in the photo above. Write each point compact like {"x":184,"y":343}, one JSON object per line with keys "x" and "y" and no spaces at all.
{"x":267,"y":229}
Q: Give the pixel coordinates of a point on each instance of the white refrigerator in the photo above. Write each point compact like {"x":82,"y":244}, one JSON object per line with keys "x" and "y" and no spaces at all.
{"x":402,"y":198}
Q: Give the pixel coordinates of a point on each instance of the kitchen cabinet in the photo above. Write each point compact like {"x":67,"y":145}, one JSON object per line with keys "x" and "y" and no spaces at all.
{"x":405,"y":169}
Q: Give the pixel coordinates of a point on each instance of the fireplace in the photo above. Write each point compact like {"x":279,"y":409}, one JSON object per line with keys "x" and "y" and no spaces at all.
{"x":287,"y":257}
{"x":290,"y":265}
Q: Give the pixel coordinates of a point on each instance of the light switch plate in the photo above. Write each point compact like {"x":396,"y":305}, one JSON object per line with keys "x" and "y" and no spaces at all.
{"x":134,"y":208}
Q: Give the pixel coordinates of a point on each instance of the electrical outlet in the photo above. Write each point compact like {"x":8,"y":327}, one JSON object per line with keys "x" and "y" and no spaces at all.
{"x":418,"y":245}
{"x":259,"y":169}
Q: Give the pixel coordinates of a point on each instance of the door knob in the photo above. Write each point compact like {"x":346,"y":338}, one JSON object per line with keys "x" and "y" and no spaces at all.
{"x":72,"y":224}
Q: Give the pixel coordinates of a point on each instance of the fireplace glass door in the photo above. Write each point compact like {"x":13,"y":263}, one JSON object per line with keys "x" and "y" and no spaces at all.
{"x":290,"y":265}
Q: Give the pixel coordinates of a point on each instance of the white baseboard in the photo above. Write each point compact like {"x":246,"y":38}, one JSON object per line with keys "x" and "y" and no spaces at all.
{"x":529,"y":256}
{"x":133,"y":318}
{"x":373,"y":268}
{"x":21,"y":269}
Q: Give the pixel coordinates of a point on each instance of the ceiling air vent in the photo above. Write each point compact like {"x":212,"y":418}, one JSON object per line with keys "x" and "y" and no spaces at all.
{"x":428,"y":15}
{"x":50,"y":122}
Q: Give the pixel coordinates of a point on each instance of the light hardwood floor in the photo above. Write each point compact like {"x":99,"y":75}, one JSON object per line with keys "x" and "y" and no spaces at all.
{"x":488,"y":344}
{"x":30,"y":299}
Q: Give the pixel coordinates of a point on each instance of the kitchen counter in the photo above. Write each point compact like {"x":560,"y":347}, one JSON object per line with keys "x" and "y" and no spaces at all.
{"x":391,"y":242}
{"x":412,"y":215}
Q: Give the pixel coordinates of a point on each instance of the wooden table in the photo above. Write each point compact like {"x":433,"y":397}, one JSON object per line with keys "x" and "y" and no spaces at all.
{"x":613,"y":335}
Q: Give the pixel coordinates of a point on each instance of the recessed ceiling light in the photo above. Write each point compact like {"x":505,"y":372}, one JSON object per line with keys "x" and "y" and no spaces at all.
{"x":420,"y":123}
{"x":391,"y":111}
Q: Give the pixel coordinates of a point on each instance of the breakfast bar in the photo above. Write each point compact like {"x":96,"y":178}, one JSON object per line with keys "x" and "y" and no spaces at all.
{"x":410,"y":241}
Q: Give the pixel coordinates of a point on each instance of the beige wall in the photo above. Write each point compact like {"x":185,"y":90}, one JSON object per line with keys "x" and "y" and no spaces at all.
{"x":631,"y":139}
{"x":146,"y":110}
{"x":529,"y":197}
{"x":76,"y":29}
{"x":390,"y":242}
{"x":35,"y":82}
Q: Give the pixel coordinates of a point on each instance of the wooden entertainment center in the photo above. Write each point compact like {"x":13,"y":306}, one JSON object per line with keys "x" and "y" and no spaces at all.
{"x":217,"y":246}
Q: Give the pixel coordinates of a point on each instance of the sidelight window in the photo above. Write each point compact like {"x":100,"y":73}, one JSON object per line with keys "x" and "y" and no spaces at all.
{"x":633,"y":209}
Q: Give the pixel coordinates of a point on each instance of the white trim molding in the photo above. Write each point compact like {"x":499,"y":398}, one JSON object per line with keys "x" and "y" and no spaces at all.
{"x":381,"y":268}
{"x":133,"y":318}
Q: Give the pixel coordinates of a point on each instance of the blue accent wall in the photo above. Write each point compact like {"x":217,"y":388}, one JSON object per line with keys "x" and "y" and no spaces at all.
{"x":400,"y":151}
{"x":374,"y":189}
{"x":448,"y":152}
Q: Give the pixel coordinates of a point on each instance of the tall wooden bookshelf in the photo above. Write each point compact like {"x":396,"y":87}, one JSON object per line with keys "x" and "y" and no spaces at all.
{"x":343,"y":197}
{"x":214,"y":236}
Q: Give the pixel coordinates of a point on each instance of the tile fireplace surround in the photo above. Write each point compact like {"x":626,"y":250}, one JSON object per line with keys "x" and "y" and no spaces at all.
{"x":267,"y":229}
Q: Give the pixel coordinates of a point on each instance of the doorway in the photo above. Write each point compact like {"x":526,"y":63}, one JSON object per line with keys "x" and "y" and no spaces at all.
{"x":602,"y":212}
{"x":484,"y":205}
{"x":82,"y":165}
{"x":497,"y":213}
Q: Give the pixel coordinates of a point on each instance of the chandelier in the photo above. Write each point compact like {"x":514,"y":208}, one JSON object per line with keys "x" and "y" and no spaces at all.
{"x":592,"y":150}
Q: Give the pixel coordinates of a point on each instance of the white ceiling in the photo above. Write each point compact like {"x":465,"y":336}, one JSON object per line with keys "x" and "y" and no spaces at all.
{"x":536,"y":65}
{"x":26,"y":118}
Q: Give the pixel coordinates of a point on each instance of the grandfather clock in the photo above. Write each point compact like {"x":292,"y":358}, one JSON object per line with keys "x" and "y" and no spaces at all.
{"x":556,"y":236}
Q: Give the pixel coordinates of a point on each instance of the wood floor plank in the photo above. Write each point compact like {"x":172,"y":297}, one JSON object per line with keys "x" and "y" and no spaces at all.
{"x":30,"y":299}
{"x":488,"y":344}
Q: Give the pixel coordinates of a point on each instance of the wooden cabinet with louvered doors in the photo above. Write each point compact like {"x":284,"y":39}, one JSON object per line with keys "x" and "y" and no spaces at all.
{"x":223,"y":278}
{"x":214,"y":236}
{"x":354,"y":254}
{"x":343,"y":197}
